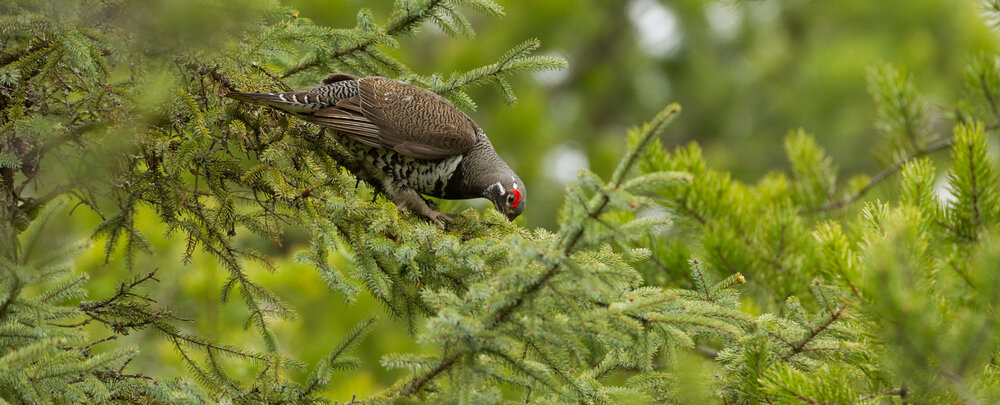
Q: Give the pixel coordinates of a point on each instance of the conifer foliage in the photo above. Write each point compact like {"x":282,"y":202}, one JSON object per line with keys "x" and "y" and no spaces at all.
{"x":667,"y":282}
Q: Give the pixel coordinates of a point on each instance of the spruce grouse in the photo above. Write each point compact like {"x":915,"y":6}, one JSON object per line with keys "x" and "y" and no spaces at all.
{"x":412,"y":141}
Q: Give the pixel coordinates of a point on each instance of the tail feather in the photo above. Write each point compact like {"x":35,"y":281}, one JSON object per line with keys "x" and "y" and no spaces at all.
{"x":294,"y":102}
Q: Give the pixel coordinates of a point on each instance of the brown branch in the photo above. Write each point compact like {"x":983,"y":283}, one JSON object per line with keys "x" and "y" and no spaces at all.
{"x":801,"y":397}
{"x":176,"y":337}
{"x":15,"y":290}
{"x":340,"y":351}
{"x":701,"y":278}
{"x":123,"y":290}
{"x":889,"y":171}
{"x":337,"y":55}
{"x":424,"y":379}
{"x":682,"y":204}
{"x":571,"y":240}
{"x":493,"y":73}
{"x":902,"y":392}
{"x":41,"y":44}
{"x":797,"y":348}
{"x":86,"y":349}
{"x":989,"y":97}
{"x":270,"y":75}
{"x":63,"y":289}
{"x":395,"y":28}
{"x":574,"y":238}
{"x":975,"y":190}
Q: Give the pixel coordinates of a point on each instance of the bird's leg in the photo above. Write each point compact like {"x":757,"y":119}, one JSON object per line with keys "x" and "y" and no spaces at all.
{"x":410,"y":199}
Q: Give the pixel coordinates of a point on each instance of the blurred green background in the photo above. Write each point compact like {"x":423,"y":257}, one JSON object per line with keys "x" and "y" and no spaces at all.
{"x":746,"y":73}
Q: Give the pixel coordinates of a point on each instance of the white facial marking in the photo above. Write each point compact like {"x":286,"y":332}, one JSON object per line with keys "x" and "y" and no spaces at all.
{"x":491,"y":186}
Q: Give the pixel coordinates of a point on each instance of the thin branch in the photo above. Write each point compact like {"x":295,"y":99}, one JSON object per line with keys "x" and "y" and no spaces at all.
{"x":334,"y":356}
{"x":397,"y":27}
{"x":498,"y":69}
{"x":123,"y":290}
{"x":902,"y":392}
{"x":975,"y":189}
{"x":797,"y":348}
{"x":889,"y":171}
{"x":424,"y":379}
{"x":270,"y":75}
{"x":86,"y":349}
{"x":801,"y":397}
{"x":989,"y":97}
{"x":707,"y":352}
{"x":574,"y":237}
{"x":15,"y":290}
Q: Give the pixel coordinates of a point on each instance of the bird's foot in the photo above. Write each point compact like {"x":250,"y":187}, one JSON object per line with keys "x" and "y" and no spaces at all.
{"x":438,"y":218}
{"x":409,"y":199}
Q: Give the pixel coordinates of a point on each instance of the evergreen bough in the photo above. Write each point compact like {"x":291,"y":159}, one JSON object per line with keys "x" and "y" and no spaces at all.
{"x":636,"y":292}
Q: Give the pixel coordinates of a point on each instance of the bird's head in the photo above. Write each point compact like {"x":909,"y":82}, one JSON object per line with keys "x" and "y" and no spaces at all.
{"x":507,"y":195}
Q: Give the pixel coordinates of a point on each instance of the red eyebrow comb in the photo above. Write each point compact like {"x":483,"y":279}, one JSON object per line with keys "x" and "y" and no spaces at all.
{"x":517,"y":198}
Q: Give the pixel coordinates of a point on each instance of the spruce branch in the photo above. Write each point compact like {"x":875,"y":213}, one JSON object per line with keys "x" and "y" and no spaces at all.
{"x":900,"y":392}
{"x":401,"y":23}
{"x":594,"y":209}
{"x":15,"y":291}
{"x":516,"y":60}
{"x":419,"y":383}
{"x":898,"y":106}
{"x":352,"y":339}
{"x":124,"y":290}
{"x":796,"y":394}
{"x":988,"y":95}
{"x":570,"y":237}
{"x":799,"y":346}
{"x":880,"y":176}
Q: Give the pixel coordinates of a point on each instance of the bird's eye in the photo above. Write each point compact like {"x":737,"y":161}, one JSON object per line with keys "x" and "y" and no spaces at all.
{"x":510,"y":199}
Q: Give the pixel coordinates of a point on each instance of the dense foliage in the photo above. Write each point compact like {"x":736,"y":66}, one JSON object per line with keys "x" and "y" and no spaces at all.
{"x":666,"y":282}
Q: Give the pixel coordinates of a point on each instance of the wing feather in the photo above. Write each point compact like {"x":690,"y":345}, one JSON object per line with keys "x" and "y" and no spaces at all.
{"x":384,"y":113}
{"x":355,"y":126}
{"x":414,"y":121}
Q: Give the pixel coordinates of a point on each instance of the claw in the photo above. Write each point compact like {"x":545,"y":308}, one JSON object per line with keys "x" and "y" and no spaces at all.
{"x":408,"y":199}
{"x":437,"y":218}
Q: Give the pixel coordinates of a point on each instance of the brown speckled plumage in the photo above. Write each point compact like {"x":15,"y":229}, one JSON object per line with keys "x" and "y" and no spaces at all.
{"x":412,"y":141}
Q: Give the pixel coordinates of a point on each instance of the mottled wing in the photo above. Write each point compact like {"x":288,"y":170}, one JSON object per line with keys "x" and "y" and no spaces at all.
{"x":346,"y":117}
{"x":414,"y":121}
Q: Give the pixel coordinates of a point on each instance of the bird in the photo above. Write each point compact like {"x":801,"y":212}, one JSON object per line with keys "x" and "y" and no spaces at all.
{"x":411,"y":142}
